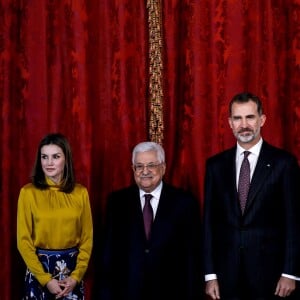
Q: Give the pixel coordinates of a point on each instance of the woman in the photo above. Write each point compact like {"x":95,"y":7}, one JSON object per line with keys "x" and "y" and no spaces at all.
{"x":54,"y":225}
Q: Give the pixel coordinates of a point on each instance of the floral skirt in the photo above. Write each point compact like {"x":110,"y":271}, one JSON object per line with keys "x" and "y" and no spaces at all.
{"x":59,"y":263}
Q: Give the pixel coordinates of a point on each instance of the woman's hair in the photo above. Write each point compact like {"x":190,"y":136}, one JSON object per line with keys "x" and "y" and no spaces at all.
{"x":149,"y":146}
{"x":68,"y":178}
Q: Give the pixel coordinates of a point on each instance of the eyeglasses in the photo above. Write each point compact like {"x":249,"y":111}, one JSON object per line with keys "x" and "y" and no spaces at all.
{"x":150,"y":167}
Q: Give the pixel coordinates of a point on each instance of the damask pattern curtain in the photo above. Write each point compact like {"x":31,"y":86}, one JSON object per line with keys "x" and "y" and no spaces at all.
{"x":82,"y":67}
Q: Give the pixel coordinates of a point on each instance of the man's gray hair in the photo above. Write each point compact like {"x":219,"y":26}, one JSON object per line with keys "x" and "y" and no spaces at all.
{"x":149,"y":146}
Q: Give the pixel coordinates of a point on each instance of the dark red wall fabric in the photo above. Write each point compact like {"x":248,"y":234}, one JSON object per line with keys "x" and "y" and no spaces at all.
{"x":81,"y":68}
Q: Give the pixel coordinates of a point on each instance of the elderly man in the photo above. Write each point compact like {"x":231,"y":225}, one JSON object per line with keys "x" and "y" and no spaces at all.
{"x":151,"y":247}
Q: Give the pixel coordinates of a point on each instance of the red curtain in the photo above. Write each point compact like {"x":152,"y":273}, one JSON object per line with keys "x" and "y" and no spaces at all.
{"x":81,"y":67}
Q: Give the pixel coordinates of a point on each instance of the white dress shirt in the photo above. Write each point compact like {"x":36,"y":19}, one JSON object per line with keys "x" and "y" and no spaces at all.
{"x":154,"y":200}
{"x":252,"y":157}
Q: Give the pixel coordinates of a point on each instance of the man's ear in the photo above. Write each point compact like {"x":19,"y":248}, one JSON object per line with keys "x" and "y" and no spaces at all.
{"x":230,"y":122}
{"x":263,"y":120}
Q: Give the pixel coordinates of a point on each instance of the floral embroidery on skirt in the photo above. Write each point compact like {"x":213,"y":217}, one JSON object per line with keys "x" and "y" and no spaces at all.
{"x":59,"y":263}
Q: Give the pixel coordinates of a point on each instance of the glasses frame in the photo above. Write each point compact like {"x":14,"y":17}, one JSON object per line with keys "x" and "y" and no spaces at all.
{"x":139,"y":168}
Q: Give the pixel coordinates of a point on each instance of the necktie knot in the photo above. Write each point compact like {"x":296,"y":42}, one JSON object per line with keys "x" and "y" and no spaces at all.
{"x":246,"y":154}
{"x":148,"y":197}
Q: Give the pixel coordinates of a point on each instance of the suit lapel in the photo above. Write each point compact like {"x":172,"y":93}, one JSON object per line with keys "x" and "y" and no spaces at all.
{"x":230,"y":180}
{"x":136,"y":213}
{"x":162,"y":219}
{"x":162,"y":209}
{"x":262,"y":170}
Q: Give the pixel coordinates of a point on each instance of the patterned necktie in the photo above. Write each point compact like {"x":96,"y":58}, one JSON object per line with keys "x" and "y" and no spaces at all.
{"x":148,"y":215}
{"x":244,"y":181}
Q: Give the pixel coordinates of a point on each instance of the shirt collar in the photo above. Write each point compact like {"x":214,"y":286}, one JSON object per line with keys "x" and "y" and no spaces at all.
{"x":155,"y":193}
{"x":52,"y":185}
{"x":254,"y":150}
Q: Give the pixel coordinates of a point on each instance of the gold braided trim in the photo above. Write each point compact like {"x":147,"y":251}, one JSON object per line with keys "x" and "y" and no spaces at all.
{"x":156,"y":125}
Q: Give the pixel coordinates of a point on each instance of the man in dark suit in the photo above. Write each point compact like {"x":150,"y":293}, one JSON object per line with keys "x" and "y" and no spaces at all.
{"x":166,"y":265}
{"x":251,"y":252}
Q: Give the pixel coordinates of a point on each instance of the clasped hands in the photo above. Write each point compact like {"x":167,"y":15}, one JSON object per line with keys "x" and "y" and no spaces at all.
{"x":61,"y":288}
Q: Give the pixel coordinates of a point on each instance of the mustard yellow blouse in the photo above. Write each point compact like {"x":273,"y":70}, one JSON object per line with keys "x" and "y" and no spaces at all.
{"x":51,"y":219}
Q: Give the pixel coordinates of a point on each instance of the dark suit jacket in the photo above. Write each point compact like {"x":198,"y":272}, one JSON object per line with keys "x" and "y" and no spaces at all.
{"x":267,"y":234}
{"x":168,"y":266}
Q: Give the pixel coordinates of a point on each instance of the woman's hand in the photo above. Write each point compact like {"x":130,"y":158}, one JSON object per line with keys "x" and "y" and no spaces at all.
{"x":68,"y":284}
{"x":54,"y":287}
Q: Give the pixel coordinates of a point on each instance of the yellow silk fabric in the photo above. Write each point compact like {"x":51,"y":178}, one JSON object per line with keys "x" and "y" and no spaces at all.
{"x":51,"y":219}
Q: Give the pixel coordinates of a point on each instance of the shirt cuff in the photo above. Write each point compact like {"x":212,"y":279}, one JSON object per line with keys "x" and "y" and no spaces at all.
{"x":214,"y":276}
{"x":208,"y":277}
{"x":290,"y":276}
